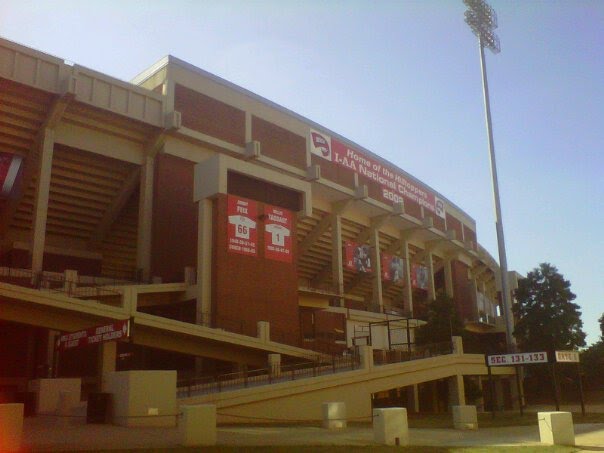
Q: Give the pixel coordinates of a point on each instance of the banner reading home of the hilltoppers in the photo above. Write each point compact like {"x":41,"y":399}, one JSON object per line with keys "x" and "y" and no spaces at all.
{"x":242,"y":230}
{"x":395,"y":186}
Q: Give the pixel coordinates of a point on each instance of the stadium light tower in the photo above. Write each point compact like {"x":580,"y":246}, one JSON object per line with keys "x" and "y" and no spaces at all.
{"x":482,"y":20}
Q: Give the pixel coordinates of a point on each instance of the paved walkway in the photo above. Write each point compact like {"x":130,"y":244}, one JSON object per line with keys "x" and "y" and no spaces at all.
{"x":51,"y":434}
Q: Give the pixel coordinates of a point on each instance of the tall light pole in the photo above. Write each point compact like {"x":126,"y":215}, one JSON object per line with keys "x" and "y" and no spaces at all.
{"x":482,"y":20}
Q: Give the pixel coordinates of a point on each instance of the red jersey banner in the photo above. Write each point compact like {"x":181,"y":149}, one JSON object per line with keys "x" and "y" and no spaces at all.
{"x":9,"y":168}
{"x":395,"y":185}
{"x":278,"y":234}
{"x":419,"y":276}
{"x":358,"y":257}
{"x":242,"y":231}
{"x":94,"y":335}
{"x":392,"y":268}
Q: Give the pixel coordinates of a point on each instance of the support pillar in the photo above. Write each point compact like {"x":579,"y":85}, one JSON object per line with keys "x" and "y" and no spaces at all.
{"x":431,"y":287}
{"x":377,"y":267}
{"x":413,"y":397}
{"x":457,"y":394}
{"x":408,"y":290}
{"x":40,"y":209}
{"x":337,"y":265}
{"x":204,"y":262}
{"x":448,"y":278}
{"x":145,"y":218}
{"x":106,"y":361}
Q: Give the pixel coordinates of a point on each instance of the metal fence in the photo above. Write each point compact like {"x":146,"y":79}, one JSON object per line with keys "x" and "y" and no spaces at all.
{"x":57,"y":283}
{"x":265,"y":376}
{"x":412,"y":352}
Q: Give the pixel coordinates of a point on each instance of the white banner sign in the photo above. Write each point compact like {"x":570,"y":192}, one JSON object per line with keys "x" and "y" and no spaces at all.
{"x":517,"y":359}
{"x":567,"y":356}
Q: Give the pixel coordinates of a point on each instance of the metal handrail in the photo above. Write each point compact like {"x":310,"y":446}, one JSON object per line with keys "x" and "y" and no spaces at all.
{"x":265,"y":376}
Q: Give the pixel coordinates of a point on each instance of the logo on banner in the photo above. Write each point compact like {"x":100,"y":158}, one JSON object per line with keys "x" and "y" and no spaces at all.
{"x":320,"y":144}
{"x":242,"y":234}
{"x":439,"y":207}
{"x":277,"y":234}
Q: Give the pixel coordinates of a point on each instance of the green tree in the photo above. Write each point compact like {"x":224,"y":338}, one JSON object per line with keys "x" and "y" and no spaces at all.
{"x":593,"y":361}
{"x":546,"y":317}
{"x":442,"y":321}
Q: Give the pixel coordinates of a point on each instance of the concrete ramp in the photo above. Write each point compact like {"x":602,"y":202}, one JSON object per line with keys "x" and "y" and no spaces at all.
{"x":301,"y":400}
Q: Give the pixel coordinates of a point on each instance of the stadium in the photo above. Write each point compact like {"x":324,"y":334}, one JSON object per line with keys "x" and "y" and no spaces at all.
{"x":233,"y":240}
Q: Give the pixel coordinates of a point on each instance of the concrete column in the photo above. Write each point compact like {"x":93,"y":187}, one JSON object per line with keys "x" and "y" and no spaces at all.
{"x":274,"y":365}
{"x":248,"y":127}
{"x":457,"y":345}
{"x":377,"y":267}
{"x":145,"y":217}
{"x":431,"y":288}
{"x":448,"y":278}
{"x":263,"y":330}
{"x":366,"y":356}
{"x":408,"y":290}
{"x":413,"y":397}
{"x":499,"y":399}
{"x":106,"y":361}
{"x":337,"y":265}
{"x":457,"y":394}
{"x":71,"y":281}
{"x":40,"y":209}
{"x":204,"y":262}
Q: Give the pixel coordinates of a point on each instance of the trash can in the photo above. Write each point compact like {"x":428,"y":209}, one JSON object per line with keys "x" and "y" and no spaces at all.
{"x":28,"y":399}
{"x":98,"y":407}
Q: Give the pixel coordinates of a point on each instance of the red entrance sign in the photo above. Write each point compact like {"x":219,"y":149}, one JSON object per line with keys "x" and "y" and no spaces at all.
{"x":278,"y":234}
{"x":242,"y":230}
{"x":94,"y":335}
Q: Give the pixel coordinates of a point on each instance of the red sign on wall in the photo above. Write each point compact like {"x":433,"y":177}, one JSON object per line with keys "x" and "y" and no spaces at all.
{"x":278,"y":234}
{"x":9,"y":168}
{"x":242,"y":231}
{"x":95,"y":335}
{"x":358,"y":257}
{"x":395,"y":185}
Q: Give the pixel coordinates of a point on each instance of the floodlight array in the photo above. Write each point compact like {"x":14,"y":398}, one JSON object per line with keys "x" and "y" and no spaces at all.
{"x":482,"y":19}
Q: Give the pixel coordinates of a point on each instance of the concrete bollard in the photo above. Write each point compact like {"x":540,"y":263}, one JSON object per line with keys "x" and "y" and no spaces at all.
{"x":11,"y":426}
{"x":390,"y":426}
{"x":464,"y":417}
{"x":48,"y":391}
{"x":556,"y":428}
{"x":198,"y":426}
{"x":68,"y":401}
{"x":334,"y":415}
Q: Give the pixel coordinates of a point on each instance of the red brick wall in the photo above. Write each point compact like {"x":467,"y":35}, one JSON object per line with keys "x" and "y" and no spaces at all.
{"x":279,"y":143}
{"x":464,"y":296}
{"x":250,"y":289}
{"x":174,"y":232}
{"x":210,"y":116}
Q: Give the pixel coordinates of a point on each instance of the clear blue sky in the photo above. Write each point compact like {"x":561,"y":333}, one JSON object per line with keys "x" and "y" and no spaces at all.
{"x":402,"y":79}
